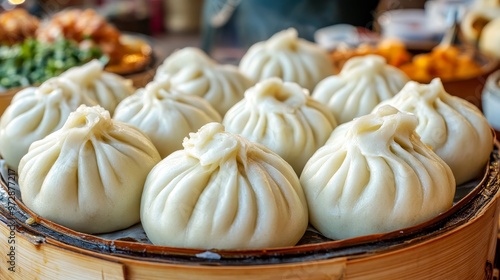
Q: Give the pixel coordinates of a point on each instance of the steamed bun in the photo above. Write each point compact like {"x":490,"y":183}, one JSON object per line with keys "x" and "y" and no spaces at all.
{"x":489,"y":41}
{"x":454,"y":128}
{"x":34,"y":113}
{"x":374,"y":176}
{"x":106,"y":88}
{"x":282,"y":116}
{"x":165,"y":115}
{"x":363,"y":82}
{"x":89,"y":175}
{"x":222,"y":191}
{"x":288,"y":57}
{"x":475,"y":20}
{"x":193,"y":72}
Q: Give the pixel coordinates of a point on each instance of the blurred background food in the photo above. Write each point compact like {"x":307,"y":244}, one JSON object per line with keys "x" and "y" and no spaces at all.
{"x":33,"y":62}
{"x":407,"y":33}
{"x":83,"y":25}
{"x":39,"y":41}
{"x":16,"y":26}
{"x":394,"y":51}
{"x":446,"y":62}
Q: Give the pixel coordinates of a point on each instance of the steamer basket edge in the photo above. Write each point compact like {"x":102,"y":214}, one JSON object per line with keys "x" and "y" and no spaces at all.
{"x":474,"y":241}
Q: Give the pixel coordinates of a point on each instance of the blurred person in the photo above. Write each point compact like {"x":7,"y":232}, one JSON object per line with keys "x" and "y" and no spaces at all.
{"x":237,"y":24}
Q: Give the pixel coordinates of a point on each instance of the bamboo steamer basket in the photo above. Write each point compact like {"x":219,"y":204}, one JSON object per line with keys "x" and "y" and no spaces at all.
{"x":458,"y":244}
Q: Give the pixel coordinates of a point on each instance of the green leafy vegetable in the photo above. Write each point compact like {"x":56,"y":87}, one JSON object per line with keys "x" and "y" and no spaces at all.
{"x":33,"y":62}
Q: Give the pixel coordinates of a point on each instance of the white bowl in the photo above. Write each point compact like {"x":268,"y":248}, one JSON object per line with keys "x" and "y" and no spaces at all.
{"x":407,"y":25}
{"x":331,"y":37}
{"x":440,"y":12}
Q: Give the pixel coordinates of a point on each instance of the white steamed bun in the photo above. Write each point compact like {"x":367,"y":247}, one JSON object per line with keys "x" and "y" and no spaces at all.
{"x":34,"y":113}
{"x":165,"y":115}
{"x":225,"y":192}
{"x":363,"y":82}
{"x":193,"y":72}
{"x":282,"y":116}
{"x":489,"y":41}
{"x":454,"y":128}
{"x":375,"y":176}
{"x":89,"y":175}
{"x":106,"y":88}
{"x":288,"y":57}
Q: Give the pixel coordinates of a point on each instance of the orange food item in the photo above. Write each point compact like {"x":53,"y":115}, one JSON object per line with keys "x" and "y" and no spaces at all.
{"x":17,"y":25}
{"x":393,"y":51}
{"x":81,"y":25}
{"x":444,"y":61}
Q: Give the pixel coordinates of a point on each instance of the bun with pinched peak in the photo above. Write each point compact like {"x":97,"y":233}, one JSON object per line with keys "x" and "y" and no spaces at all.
{"x":191,"y":71}
{"x":88,"y":175}
{"x":34,"y":113}
{"x":107,"y":89}
{"x":375,"y":175}
{"x":224,"y":192}
{"x":454,"y":128}
{"x":288,"y":57}
{"x":364,"y":82}
{"x":165,"y":114}
{"x":283,"y":117}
